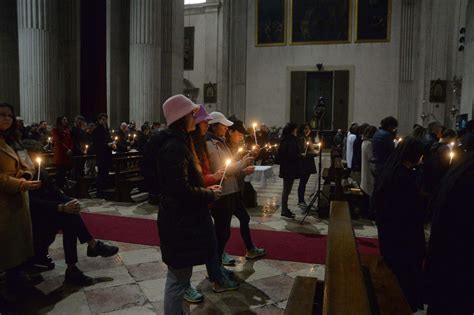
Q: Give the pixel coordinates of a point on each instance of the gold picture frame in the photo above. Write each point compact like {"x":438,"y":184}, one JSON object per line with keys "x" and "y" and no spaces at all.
{"x":388,"y":27}
{"x":271,"y":28}
{"x":322,"y":42}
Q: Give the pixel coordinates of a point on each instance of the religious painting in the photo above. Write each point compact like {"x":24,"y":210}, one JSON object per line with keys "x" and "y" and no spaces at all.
{"x":320,"y":21}
{"x":438,"y":91}
{"x":373,"y":20}
{"x":189,"y":48}
{"x":270,"y":22}
{"x":210,"y":93}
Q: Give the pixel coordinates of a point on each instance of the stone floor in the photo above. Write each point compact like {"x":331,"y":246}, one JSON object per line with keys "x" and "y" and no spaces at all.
{"x":133,"y":281}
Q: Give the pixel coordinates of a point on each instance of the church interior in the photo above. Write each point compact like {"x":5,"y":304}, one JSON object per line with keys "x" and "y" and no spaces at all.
{"x":236,"y":157}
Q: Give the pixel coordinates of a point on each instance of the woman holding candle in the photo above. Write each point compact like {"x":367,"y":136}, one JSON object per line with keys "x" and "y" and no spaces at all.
{"x":16,"y":171}
{"x":235,"y":138}
{"x":307,"y":164}
{"x":219,"y":153}
{"x":289,"y":156}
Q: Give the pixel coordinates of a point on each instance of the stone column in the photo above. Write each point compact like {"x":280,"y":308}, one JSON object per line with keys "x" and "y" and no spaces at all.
{"x":172,"y":32}
{"x":69,"y":50}
{"x":38,"y":56}
{"x":409,"y":45}
{"x":9,"y":78}
{"x":467,"y":97}
{"x":118,"y":46}
{"x":145,"y":60}
{"x":234,"y":59}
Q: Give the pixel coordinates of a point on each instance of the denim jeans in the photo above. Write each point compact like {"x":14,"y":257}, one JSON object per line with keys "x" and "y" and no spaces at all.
{"x":177,"y":281}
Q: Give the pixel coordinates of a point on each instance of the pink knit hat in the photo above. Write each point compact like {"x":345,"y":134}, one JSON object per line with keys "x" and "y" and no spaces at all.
{"x":176,"y":107}
{"x":202,"y":115}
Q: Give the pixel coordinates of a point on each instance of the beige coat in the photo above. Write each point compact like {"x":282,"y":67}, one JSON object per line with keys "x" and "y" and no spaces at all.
{"x":15,"y":221}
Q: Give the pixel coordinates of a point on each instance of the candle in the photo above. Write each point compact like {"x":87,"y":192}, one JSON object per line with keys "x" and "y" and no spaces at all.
{"x":38,"y":160}
{"x":113,"y":131}
{"x":254,"y":147}
{"x":227,"y":163}
{"x":87,"y":147}
{"x":306,"y":150}
{"x":255,"y":132}
{"x":134,"y":136}
{"x":116,"y":139}
{"x":49,"y":139}
{"x":451,"y":155}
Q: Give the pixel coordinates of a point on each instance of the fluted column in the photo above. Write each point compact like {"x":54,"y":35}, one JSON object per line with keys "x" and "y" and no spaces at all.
{"x":69,"y":50}
{"x":172,"y":32}
{"x":145,"y":60}
{"x":407,"y":96}
{"x":234,"y":67}
{"x":467,"y":98}
{"x":118,"y":46}
{"x":9,"y":75}
{"x":38,"y":56}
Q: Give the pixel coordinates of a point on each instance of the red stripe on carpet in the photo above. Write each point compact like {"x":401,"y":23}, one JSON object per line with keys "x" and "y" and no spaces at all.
{"x":287,"y":246}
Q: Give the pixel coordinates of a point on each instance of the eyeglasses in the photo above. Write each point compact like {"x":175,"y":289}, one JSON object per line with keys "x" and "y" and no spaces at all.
{"x":3,"y":115}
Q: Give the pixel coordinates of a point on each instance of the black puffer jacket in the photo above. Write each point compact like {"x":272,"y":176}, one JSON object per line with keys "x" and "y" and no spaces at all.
{"x":184,"y":222}
{"x":289,"y":156}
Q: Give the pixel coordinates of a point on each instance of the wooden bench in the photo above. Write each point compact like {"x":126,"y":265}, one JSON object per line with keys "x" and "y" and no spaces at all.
{"x":354,"y":284}
{"x":357,"y":284}
{"x":306,"y":296}
{"x":127,"y":176}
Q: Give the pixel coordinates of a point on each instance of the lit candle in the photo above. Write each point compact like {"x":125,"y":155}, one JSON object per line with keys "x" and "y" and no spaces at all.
{"x":113,"y":131}
{"x":237,"y":154}
{"x":116,"y":139}
{"x":134,"y":136}
{"x":306,"y":150}
{"x":254,"y":147}
{"x":227,"y":163}
{"x":49,"y":139}
{"x":87,"y":147}
{"x":451,"y":155}
{"x":38,"y":160}
{"x":255,"y":132}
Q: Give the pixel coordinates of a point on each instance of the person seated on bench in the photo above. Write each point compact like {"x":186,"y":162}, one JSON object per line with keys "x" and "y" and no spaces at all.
{"x":52,"y":210}
{"x":400,"y":216}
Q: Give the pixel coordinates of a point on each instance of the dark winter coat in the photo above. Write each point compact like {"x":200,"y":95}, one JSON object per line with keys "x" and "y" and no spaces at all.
{"x":78,"y":140}
{"x":400,"y":216}
{"x":100,"y":140}
{"x":289,"y":157}
{"x":184,"y":222}
{"x":382,"y":146}
{"x":357,"y":154}
{"x":451,"y":245}
{"x":307,"y":164}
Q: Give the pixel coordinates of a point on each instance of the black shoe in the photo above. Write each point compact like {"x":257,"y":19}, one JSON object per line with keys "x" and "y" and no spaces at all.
{"x":288,"y":214}
{"x":43,"y":263}
{"x":102,"y":249}
{"x":75,"y":276}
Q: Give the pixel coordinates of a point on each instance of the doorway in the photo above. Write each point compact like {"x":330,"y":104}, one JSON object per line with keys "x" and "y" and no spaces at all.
{"x":308,"y":86}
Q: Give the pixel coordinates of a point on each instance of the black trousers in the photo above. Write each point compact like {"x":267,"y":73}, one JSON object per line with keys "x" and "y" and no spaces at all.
{"x":302,"y":187}
{"x":102,"y":174}
{"x":222,"y":211}
{"x":287,"y":187}
{"x":73,"y":227}
{"x":244,"y":219}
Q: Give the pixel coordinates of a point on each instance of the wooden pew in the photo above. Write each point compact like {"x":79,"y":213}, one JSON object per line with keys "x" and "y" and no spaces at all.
{"x":127,"y":176}
{"x":357,"y":284}
{"x":305,"y":296}
{"x":345,"y":291}
{"x":84,"y":182}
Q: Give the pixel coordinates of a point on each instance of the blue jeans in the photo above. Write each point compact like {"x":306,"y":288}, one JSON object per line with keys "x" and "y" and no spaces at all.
{"x":177,"y":281}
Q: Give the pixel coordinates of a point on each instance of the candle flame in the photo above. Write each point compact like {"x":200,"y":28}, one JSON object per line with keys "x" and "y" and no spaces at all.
{"x":254,"y":125}
{"x":452,"y":144}
{"x":116,"y":138}
{"x":227,"y":163}
{"x":400,"y":139}
{"x":38,"y":160}
{"x":254,"y":147}
{"x":240,"y":149}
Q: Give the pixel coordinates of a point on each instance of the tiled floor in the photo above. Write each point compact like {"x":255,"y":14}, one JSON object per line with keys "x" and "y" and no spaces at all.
{"x":133,"y":281}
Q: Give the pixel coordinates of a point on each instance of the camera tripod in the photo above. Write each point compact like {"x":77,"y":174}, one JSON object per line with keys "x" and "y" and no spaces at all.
{"x":316,"y":196}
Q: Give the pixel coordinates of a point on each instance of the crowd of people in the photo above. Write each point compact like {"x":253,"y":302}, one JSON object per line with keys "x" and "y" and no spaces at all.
{"x":196,"y":168}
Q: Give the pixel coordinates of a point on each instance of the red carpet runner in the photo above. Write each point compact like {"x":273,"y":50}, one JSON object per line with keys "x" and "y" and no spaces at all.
{"x":287,"y":246}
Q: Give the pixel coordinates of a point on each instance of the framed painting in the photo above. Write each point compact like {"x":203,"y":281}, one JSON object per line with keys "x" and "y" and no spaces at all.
{"x":210,"y":93}
{"x":270,"y":22}
{"x":373,"y":21}
{"x":188,"y":48}
{"x":320,"y":21}
{"x":438,"y":91}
